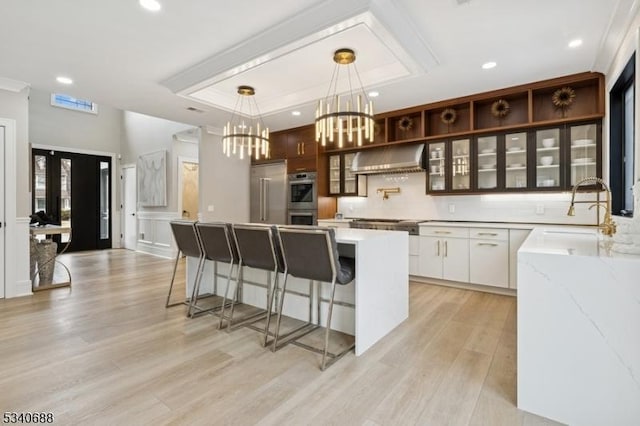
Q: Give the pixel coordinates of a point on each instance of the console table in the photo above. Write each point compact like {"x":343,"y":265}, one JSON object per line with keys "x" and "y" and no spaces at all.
{"x":48,"y":231}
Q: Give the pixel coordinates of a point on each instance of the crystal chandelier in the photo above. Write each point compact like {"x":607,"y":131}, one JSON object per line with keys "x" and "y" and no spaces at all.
{"x":347,"y":116}
{"x":243,"y":132}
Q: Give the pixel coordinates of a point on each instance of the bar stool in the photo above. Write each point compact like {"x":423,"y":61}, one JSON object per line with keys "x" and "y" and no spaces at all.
{"x":217,"y":245}
{"x":188,"y":243}
{"x":312,"y":253}
{"x":258,"y":247}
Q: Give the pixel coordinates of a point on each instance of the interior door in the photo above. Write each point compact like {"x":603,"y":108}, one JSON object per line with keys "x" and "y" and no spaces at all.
{"x":129,"y":207}
{"x":2,"y":224}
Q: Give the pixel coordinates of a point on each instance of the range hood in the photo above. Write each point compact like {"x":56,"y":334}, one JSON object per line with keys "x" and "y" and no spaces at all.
{"x":392,"y":159}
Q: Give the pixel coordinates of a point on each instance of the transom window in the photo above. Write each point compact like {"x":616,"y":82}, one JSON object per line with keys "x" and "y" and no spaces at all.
{"x":69,"y":102}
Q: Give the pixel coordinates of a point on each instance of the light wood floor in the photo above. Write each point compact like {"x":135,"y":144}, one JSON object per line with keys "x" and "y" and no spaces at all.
{"x":108,"y":352}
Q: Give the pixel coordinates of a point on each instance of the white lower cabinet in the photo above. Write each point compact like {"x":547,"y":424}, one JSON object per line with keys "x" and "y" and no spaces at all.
{"x":444,"y":253}
{"x":414,"y":255}
{"x":489,"y":257}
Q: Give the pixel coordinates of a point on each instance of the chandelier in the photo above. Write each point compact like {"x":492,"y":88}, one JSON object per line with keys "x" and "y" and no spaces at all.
{"x":348,"y":116}
{"x":243,"y":132}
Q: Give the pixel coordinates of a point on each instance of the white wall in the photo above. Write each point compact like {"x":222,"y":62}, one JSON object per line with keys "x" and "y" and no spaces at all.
{"x":49,"y":125}
{"x":413,"y":203}
{"x":621,"y":55}
{"x":223,"y":182}
{"x":16,"y":107}
{"x":142,"y":134}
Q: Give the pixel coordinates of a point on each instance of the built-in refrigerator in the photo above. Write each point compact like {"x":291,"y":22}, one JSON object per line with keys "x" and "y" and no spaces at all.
{"x":268,"y":203}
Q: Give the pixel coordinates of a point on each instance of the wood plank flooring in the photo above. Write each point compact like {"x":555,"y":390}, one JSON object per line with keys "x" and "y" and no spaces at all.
{"x":108,"y":352}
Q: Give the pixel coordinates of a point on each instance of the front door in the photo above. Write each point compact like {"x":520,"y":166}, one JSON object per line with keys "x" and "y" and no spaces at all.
{"x":74,"y":190}
{"x":129,"y":207}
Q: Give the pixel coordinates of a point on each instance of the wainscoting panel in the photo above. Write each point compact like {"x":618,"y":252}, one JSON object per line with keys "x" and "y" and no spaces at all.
{"x":154,"y":233}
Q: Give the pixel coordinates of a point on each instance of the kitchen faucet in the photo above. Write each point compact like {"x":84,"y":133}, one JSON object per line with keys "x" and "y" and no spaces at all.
{"x":608,"y":226}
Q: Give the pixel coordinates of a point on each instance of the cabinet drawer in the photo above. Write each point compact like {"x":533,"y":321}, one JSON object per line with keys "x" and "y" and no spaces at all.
{"x":489,"y":234}
{"x":444,"y":232}
{"x":489,"y":262}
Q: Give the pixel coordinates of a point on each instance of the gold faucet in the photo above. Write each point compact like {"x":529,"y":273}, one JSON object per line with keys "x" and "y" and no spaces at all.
{"x":608,"y":226}
{"x":387,"y":191}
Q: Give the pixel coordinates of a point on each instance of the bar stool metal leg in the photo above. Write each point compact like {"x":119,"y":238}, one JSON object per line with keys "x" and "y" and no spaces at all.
{"x":173,"y":278}
{"x":271,"y":298}
{"x":196,"y":289}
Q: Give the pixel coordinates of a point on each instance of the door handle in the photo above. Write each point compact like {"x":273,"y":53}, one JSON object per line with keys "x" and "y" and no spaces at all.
{"x":302,"y":146}
{"x":491,"y":234}
{"x":442,"y":232}
{"x":133,"y":214}
{"x":488,"y":244}
{"x":446,"y":249}
{"x":438,"y":248}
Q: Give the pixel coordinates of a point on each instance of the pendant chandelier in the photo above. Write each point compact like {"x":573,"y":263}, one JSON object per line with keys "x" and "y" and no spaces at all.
{"x":244,"y":133}
{"x":344,"y":117}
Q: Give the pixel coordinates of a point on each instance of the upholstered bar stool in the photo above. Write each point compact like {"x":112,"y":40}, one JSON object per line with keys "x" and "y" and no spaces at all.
{"x":188,"y":243}
{"x":312,"y":253}
{"x":218,"y":246}
{"x":258,"y":248}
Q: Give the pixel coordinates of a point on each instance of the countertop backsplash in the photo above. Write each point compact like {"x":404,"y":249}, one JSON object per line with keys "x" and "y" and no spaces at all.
{"x":413,"y":203}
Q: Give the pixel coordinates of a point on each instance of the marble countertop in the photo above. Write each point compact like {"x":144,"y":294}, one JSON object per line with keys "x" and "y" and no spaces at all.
{"x":571,"y":241}
{"x":352,"y":235}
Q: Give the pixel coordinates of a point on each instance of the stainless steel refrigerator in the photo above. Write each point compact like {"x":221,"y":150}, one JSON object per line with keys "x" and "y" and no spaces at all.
{"x":268,"y":203}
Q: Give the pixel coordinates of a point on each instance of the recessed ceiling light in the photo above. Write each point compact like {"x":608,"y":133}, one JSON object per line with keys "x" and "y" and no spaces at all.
{"x":64,"y":80}
{"x":296,"y":113}
{"x":374,"y":94}
{"x":488,"y":65}
{"x":152,"y":5}
{"x":575,"y":43}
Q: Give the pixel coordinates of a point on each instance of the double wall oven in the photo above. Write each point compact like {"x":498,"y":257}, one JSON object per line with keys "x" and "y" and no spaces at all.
{"x":302,"y":199}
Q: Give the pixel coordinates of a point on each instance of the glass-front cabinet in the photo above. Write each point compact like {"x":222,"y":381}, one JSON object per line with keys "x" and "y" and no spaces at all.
{"x":449,"y":166}
{"x":460,"y":165}
{"x":342,"y":181}
{"x":541,"y":159}
{"x":515,"y":147}
{"x":487,"y":152}
{"x":548,"y":158}
{"x":437,"y":167}
{"x":583,"y":152}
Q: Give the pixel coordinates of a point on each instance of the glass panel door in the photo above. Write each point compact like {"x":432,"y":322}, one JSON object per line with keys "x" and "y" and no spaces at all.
{"x":583,"y":153}
{"x":548,"y":158}
{"x":516,"y":160}
{"x":334,"y":174}
{"x":350,"y":186}
{"x":437,"y":167}
{"x":487,"y":162}
{"x":40,"y":183}
{"x":65,"y":196}
{"x":460,"y":176}
{"x":105,"y":192}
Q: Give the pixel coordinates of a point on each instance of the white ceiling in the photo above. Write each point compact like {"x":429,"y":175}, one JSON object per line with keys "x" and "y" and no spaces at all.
{"x":411,"y":51}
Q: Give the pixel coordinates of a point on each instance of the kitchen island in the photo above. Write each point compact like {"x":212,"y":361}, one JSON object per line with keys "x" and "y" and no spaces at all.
{"x":380,"y":291}
{"x":578,"y":328}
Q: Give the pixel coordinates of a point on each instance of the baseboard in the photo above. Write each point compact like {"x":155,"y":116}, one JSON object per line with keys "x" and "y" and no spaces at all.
{"x":464,"y":286}
{"x":160,"y":250}
{"x":20,"y":289}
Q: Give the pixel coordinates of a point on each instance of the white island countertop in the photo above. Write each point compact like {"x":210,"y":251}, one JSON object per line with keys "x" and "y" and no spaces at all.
{"x":578,"y":328}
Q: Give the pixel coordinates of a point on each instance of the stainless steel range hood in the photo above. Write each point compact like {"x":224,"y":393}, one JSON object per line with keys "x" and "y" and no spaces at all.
{"x":392,"y":159}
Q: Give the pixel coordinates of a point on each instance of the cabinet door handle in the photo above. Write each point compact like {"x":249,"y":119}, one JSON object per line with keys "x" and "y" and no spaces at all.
{"x":438,"y":248}
{"x":300,"y":169}
{"x":302,"y":147}
{"x":446,"y":249}
{"x":488,"y":244}
{"x":491,"y":234}
{"x":442,"y":232}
